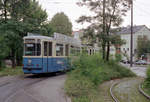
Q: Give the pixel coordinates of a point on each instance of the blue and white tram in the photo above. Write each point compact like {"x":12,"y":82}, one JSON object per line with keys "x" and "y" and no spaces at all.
{"x":48,"y":54}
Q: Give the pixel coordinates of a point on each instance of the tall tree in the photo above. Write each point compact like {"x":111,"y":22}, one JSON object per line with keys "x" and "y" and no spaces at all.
{"x":60,"y":23}
{"x":143,"y":50}
{"x":108,"y":14}
{"x":24,"y":16}
{"x":3,"y":50}
{"x":89,"y":36}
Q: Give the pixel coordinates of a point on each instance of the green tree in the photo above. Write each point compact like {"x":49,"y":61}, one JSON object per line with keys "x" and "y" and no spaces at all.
{"x":60,"y":23}
{"x":22,"y":16}
{"x":3,"y":50}
{"x":143,"y":50}
{"x":89,"y":36}
{"x":107,"y":16}
{"x":116,"y":40}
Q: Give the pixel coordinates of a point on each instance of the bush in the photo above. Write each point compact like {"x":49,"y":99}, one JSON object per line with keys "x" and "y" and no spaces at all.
{"x":90,"y":71}
{"x":11,"y":71}
{"x":147,"y":81}
{"x":118,"y":57}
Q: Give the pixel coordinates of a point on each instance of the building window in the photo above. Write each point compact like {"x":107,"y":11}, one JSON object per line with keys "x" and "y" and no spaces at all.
{"x":127,"y":49}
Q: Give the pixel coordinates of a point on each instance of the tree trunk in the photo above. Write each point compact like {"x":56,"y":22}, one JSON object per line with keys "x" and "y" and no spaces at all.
{"x":108,"y":51}
{"x":0,"y":63}
{"x":18,"y":62}
{"x":5,"y":10}
{"x":13,"y":59}
{"x":103,"y":50}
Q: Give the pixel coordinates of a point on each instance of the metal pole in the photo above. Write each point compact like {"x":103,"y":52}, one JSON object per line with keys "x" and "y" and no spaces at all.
{"x":131,"y":53}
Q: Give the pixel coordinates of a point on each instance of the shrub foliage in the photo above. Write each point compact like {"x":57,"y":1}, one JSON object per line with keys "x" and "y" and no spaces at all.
{"x":147,"y":81}
{"x":88,"y":73}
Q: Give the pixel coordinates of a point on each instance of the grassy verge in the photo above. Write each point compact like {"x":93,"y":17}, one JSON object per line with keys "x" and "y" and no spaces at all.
{"x":89,"y":72}
{"x":11,"y":71}
{"x":146,"y":84}
{"x":146,"y":89}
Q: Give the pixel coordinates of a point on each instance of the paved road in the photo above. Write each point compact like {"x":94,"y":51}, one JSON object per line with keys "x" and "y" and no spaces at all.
{"x":32,"y":88}
{"x":139,"y":70}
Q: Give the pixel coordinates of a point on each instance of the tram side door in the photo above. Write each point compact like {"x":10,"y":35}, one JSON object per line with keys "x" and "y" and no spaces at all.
{"x":45,"y":57}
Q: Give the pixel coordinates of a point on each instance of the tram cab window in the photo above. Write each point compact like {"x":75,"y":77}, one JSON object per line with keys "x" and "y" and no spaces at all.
{"x":45,"y":48}
{"x":72,"y":50}
{"x":59,"y":49}
{"x":32,"y":49}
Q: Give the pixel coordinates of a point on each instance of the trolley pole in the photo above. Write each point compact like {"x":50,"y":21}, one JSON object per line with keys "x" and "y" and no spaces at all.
{"x":131,"y":53}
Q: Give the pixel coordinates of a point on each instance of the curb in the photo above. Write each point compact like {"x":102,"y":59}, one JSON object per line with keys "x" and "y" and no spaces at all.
{"x":143,"y":93}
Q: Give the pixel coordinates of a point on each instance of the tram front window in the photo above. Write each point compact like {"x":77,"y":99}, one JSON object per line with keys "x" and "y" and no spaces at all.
{"x":32,"y":49}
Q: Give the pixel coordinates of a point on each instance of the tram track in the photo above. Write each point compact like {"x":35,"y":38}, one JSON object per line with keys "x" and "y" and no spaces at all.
{"x":18,"y":85}
{"x":20,"y":90}
{"x":117,"y":98}
{"x":111,"y":93}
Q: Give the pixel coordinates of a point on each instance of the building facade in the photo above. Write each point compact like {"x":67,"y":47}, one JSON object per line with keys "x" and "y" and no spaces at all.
{"x":125,"y":34}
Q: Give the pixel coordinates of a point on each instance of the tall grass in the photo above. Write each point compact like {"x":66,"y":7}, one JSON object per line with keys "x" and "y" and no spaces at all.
{"x":89,"y":72}
{"x":147,"y":81}
{"x":11,"y":71}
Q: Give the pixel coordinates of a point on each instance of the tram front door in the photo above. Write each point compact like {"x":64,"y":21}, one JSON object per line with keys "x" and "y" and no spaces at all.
{"x":47,"y":59}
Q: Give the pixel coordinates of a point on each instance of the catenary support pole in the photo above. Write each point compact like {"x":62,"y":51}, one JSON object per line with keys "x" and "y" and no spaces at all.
{"x":131,"y":49}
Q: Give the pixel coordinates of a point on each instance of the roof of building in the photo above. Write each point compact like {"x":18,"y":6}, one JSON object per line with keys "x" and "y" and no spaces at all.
{"x":127,"y":30}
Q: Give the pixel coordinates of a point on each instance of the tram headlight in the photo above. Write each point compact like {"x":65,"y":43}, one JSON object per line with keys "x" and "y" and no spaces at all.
{"x":29,"y":61}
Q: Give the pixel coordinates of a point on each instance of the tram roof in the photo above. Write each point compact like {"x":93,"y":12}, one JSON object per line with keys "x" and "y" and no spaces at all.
{"x":57,"y":37}
{"x":38,"y":37}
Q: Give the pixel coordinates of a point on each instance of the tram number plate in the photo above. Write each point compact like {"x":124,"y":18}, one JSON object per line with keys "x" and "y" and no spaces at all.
{"x":60,"y":62}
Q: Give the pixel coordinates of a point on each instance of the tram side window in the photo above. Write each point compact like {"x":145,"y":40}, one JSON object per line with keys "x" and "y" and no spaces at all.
{"x":50,"y":48}
{"x":38,"y":49}
{"x":66,"y":50}
{"x":72,"y":50}
{"x":59,"y":49}
{"x":45,"y":48}
{"x":78,"y":51}
{"x":90,"y":52}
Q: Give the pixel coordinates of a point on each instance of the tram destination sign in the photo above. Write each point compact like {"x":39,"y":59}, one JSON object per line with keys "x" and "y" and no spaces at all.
{"x":29,"y":40}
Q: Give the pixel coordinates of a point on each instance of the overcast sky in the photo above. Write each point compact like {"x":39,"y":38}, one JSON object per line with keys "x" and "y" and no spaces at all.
{"x":73,"y":11}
